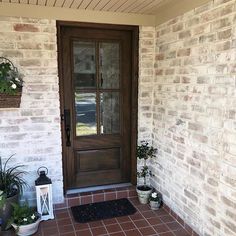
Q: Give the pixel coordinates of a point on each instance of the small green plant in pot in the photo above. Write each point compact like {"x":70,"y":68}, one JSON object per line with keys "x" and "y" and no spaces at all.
{"x":155,"y":200}
{"x":11,"y":185}
{"x":144,"y":152}
{"x":25,"y":220}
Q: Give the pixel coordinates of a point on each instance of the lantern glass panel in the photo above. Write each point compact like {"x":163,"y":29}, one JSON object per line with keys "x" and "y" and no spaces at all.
{"x":44,"y":201}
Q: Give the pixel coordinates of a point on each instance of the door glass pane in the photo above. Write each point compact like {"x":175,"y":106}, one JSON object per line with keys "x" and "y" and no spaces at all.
{"x":84,"y":64}
{"x":110,"y":113}
{"x":85,"y":107}
{"x":109,"y":65}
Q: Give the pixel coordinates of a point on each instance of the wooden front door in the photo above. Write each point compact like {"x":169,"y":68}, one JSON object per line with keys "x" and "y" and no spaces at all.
{"x":96,"y":80}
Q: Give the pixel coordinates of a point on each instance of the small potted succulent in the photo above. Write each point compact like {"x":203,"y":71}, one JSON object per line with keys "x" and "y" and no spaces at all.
{"x":25,"y":220}
{"x":155,"y":200}
{"x":11,"y":185}
{"x":144,"y":152}
{"x":10,"y":84}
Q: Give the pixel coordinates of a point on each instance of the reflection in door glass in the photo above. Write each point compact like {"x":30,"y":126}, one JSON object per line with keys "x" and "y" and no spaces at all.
{"x":85,"y":107}
{"x":84,"y":64}
{"x":109,"y":65}
{"x":110,"y":113}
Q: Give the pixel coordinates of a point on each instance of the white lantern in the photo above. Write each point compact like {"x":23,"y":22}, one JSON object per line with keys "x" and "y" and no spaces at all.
{"x":44,"y":195}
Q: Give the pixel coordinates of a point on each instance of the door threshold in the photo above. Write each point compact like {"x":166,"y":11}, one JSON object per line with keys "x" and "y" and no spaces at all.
{"x":96,"y":188}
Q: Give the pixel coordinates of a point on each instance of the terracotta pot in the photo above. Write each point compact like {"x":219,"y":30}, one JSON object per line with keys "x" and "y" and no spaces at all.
{"x":143,"y":194}
{"x":6,"y":211}
{"x":25,"y":230}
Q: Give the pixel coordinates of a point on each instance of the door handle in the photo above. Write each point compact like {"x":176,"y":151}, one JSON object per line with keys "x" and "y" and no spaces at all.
{"x":67,"y":127}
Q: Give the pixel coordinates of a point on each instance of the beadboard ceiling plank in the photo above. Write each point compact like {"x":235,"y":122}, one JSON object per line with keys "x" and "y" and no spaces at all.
{"x":42,"y":2}
{"x":24,"y":1}
{"x":101,"y":4}
{"x":149,"y":6}
{"x":111,"y":4}
{"x":84,"y":4}
{"x":141,"y":5}
{"x":67,"y":3}
{"x":133,"y":6}
{"x":33,"y":2}
{"x":125,"y":5}
{"x":76,"y":3}
{"x":59,"y":3}
{"x":51,"y":3}
{"x":153,"y":10}
{"x":93,"y":4}
{"x":118,"y":5}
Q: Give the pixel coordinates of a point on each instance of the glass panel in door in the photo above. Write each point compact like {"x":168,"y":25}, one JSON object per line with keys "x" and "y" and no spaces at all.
{"x":109,"y":65}
{"x":85,"y":109}
{"x":96,"y":84}
{"x":110,"y":113}
{"x":84,"y":64}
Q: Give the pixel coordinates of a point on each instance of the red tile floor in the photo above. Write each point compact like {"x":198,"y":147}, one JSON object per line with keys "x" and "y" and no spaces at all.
{"x":144,"y":222}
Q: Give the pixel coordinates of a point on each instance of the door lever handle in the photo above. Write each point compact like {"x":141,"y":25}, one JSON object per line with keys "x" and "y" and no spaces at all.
{"x":68,"y":142}
{"x":67,"y":127}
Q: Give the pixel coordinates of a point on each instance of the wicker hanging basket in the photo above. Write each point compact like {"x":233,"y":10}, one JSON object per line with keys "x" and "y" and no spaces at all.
{"x":10,"y":100}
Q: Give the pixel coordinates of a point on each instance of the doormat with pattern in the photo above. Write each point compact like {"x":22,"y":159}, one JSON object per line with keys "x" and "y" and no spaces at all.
{"x":102,"y":210}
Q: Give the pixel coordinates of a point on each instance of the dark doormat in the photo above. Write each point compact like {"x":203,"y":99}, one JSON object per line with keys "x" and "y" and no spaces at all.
{"x":102,"y":210}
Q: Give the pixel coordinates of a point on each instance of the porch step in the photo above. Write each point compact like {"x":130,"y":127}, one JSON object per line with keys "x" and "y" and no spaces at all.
{"x":74,"y":199}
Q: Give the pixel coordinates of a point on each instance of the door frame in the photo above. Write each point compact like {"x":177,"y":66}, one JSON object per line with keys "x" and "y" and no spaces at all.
{"x":134,"y":30}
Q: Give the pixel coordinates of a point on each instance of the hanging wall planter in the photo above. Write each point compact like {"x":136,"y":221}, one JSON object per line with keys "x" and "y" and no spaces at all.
{"x":10,"y":84}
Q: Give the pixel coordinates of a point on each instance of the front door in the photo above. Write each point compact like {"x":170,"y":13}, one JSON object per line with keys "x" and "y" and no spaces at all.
{"x":96,"y":79}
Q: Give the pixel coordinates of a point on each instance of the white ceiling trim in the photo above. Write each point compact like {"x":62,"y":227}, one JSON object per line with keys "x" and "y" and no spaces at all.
{"x":59,"y":13}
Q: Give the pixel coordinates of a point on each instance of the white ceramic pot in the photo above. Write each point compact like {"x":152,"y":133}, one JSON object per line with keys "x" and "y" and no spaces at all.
{"x":143,"y":195}
{"x":26,"y":230}
{"x":155,"y":205}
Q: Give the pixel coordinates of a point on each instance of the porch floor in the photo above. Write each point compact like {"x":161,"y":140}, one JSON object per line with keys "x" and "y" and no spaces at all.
{"x":144,"y":222}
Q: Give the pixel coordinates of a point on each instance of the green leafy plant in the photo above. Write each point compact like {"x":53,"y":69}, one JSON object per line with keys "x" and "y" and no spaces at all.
{"x":144,"y":152}
{"x":156,"y":197}
{"x":23,"y":215}
{"x":11,"y":180}
{"x":2,"y":199}
{"x":10,"y":80}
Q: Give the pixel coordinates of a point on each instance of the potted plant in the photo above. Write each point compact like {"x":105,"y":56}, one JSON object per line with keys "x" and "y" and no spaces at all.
{"x":11,"y":185}
{"x":144,"y":152}
{"x":155,"y":200}
{"x":10,"y":84}
{"x":25,"y":220}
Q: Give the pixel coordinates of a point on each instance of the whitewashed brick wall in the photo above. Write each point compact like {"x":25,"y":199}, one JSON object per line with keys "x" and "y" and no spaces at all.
{"x":194,"y":116}
{"x":146,"y":82}
{"x":32,"y":132}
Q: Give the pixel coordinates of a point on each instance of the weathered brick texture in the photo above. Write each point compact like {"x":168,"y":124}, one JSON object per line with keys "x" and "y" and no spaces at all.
{"x":32,"y":132}
{"x":190,"y":108}
{"x":146,"y":82}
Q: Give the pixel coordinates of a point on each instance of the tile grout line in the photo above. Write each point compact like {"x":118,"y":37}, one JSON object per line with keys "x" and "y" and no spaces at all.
{"x":139,"y":211}
{"x":148,"y":222}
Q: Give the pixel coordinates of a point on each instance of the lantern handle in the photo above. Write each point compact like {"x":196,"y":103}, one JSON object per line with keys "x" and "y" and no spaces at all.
{"x":42,"y":167}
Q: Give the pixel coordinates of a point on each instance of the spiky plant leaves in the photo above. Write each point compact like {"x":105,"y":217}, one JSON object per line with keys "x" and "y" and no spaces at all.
{"x":11,"y":180}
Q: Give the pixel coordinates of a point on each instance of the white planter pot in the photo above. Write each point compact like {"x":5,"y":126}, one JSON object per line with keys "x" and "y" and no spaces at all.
{"x":155,"y":205}
{"x":143,"y":195}
{"x":26,"y":230}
